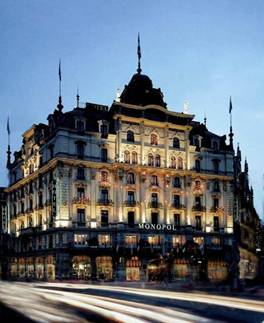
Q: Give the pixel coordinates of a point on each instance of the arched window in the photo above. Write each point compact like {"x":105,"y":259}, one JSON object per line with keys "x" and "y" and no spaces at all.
{"x":197,"y":165}
{"x":157,"y":160}
{"x":176,"y":142}
{"x":104,"y":176}
{"x":104,"y":131}
{"x":197,"y":184}
{"x":127,"y":157}
{"x":130,"y":136}
{"x":173,"y":162}
{"x":176,"y":182}
{"x":130,"y":178}
{"x":154,"y":139}
{"x":180,"y":163}
{"x":134,"y":158}
{"x":150,"y":160}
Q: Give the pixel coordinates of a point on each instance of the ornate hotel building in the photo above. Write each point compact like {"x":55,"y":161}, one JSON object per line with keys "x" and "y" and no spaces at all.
{"x":109,"y":192}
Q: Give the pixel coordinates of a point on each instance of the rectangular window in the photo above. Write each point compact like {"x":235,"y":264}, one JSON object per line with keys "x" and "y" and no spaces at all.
{"x":81,"y":217}
{"x":104,"y":155}
{"x":177,"y":220}
{"x":131,"y":197}
{"x":104,"y":218}
{"x":154,"y":218}
{"x":104,"y":196}
{"x":104,"y":239}
{"x":80,"y":193}
{"x":198,"y":222}
{"x":131,"y":218}
{"x":80,"y":150}
{"x":216,"y":223}
{"x":216,"y":203}
{"x":176,"y":200}
{"x":131,"y":240}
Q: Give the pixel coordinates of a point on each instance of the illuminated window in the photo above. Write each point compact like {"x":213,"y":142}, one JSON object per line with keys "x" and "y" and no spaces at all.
{"x":131,"y":239}
{"x":127,"y":157}
{"x":154,"y":240}
{"x":153,"y":139}
{"x":104,"y":239}
{"x":130,"y":136}
{"x":198,"y":240}
{"x":150,"y":160}
{"x":180,"y":163}
{"x":157,"y":160}
{"x":134,"y":157}
{"x":131,"y":178}
{"x":104,"y":176}
{"x":176,"y":142}
{"x":173,"y":162}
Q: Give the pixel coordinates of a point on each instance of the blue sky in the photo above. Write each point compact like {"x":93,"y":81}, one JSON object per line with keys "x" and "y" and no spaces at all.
{"x":199,"y":51}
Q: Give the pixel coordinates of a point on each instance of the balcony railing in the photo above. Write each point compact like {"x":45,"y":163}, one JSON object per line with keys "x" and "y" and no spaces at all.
{"x":178,"y":206}
{"x":80,"y":200}
{"x":199,"y":208}
{"x":155,"y":205}
{"x":105,"y":202}
{"x":131,"y":203}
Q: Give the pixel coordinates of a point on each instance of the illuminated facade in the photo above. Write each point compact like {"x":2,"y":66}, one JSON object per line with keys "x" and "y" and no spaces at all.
{"x":102,"y":192}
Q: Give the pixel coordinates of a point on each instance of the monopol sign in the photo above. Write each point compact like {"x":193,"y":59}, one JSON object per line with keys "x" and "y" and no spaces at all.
{"x":160,"y":226}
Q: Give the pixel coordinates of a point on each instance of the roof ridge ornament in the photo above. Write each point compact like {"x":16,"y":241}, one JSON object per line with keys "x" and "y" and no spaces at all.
{"x":139,"y":55}
{"x":60,"y":106}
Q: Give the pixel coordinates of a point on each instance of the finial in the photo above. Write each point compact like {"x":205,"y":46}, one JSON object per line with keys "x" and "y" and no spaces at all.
{"x":205,"y":119}
{"x":8,"y":145}
{"x":186,"y":106}
{"x":246,"y":166}
{"x":60,"y":106}
{"x":139,"y":55}
{"x":231,"y":135}
{"x":117,"y":99}
{"x":77,"y":98}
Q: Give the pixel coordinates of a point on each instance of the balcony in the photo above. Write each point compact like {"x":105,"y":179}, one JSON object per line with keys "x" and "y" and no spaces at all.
{"x":199,"y":208}
{"x":105,"y":183}
{"x":105,"y":202}
{"x":80,"y":200}
{"x":178,"y":206}
{"x":131,"y":203}
{"x":155,"y":205}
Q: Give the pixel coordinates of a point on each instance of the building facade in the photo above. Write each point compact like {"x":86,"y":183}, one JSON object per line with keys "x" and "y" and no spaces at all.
{"x":113,"y":192}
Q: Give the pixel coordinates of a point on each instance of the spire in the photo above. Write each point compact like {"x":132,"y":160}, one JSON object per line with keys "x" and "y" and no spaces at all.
{"x":60,"y":106}
{"x":246,"y":166}
{"x":139,"y":55}
{"x":238,"y":151}
{"x":8,"y":145}
{"x":205,"y":118}
{"x":77,"y":98}
{"x":231,"y":135}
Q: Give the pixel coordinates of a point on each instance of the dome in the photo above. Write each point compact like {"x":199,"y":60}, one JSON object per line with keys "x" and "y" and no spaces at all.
{"x":140,"y":91}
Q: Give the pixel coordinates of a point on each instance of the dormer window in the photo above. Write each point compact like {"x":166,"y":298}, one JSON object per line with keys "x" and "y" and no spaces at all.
{"x":104,"y":131}
{"x":80,"y":149}
{"x":176,"y":142}
{"x":154,"y":139}
{"x":130,"y":136}
{"x":215,"y":146}
{"x":80,"y":126}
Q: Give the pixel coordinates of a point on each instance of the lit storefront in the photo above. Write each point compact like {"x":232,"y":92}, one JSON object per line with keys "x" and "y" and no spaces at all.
{"x":133,"y":269}
{"x":104,"y":267}
{"x":181,"y":268}
{"x":40,"y":264}
{"x":81,"y":267}
{"x":50,"y":267}
{"x":217,"y":270}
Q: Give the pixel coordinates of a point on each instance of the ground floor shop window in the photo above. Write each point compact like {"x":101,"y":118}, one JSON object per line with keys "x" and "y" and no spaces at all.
{"x":104,"y":267}
{"x":133,"y":269}
{"x":21,"y":268}
{"x":14,"y":268}
{"x":50,"y":267}
{"x":81,"y":267}
{"x":40,"y":263}
{"x":180,"y":268}
{"x":217,"y":270}
{"x":30,"y":272}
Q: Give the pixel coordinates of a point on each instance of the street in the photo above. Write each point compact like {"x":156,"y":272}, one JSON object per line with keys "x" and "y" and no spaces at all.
{"x":76,"y":302}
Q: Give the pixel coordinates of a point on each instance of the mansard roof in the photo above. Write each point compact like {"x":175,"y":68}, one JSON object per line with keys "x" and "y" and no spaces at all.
{"x":140,"y":91}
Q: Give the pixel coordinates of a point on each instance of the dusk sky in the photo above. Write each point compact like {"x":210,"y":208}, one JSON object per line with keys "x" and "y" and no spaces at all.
{"x":196,"y":51}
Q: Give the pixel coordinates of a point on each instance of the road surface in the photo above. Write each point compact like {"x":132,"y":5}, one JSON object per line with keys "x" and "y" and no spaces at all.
{"x":63,"y":302}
